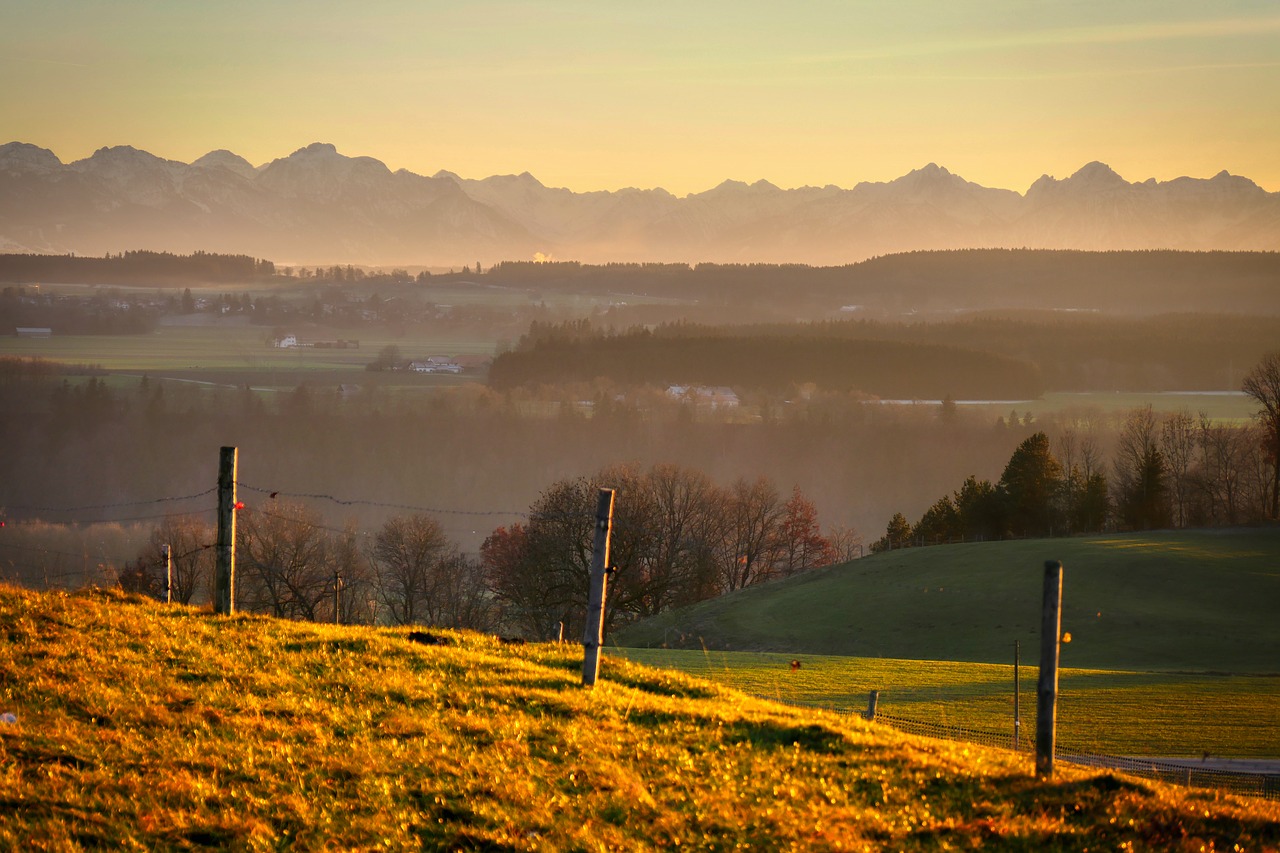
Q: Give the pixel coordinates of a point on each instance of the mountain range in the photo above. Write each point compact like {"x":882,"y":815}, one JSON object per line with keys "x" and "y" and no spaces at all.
{"x":319,"y":206}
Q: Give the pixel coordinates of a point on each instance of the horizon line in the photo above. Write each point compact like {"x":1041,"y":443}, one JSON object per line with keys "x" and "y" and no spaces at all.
{"x":633,"y":187}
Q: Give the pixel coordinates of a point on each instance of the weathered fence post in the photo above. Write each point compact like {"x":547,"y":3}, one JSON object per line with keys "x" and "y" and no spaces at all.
{"x":1017,"y":697}
{"x":1047,"y":687}
{"x":168,"y":574}
{"x":224,"y":576}
{"x":872,"y":702}
{"x":337,"y":598}
{"x":593,"y":636}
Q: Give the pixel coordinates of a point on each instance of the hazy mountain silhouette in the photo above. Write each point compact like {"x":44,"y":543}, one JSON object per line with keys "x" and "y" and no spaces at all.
{"x":319,"y":206}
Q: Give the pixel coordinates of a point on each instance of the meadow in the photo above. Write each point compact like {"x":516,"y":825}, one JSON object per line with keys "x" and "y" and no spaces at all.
{"x":141,"y":726}
{"x":1100,"y":711}
{"x":232,"y":352}
{"x":1201,"y":601}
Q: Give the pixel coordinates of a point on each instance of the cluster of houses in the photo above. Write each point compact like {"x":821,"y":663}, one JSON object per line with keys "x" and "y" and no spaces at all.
{"x":436,"y":364}
{"x":711,"y":396}
{"x":291,"y":342}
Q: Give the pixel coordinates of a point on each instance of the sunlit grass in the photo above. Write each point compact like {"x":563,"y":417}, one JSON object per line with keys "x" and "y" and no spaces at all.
{"x":141,"y":726}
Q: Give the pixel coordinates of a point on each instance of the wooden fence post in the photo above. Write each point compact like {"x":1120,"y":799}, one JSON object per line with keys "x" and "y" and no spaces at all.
{"x":224,"y":576}
{"x":872,"y":702}
{"x":1047,"y":688}
{"x":593,"y":636}
{"x":1017,"y":697}
{"x":337,"y":598}
{"x":168,"y":574}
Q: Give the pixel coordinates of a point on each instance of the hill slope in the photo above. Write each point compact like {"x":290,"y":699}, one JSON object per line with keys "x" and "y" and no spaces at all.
{"x":1183,"y":601}
{"x":142,"y":726}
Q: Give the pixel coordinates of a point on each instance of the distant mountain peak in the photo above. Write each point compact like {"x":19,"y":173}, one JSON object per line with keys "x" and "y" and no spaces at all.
{"x":224,"y":159}
{"x":317,"y":148}
{"x":524,"y":179}
{"x":122,"y":153}
{"x":727,"y":187}
{"x":1097,"y":173}
{"x":22,"y":157}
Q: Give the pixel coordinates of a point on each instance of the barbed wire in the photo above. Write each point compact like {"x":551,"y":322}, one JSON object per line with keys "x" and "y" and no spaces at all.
{"x":276,"y":493}
{"x":1185,"y":774}
{"x":89,"y":507}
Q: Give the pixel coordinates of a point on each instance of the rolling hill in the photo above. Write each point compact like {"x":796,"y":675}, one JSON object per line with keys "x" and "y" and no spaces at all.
{"x":131,"y":725}
{"x":1201,"y":601}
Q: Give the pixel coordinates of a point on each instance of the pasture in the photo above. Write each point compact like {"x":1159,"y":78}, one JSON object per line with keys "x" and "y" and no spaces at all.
{"x":1226,"y":405}
{"x":1172,"y":601}
{"x":1102,"y":711}
{"x":232,"y":352}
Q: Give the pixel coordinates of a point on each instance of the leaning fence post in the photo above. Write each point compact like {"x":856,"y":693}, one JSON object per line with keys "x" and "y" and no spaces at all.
{"x":224,"y":576}
{"x":1047,"y":687}
{"x":593,"y":636}
{"x":872,"y":701}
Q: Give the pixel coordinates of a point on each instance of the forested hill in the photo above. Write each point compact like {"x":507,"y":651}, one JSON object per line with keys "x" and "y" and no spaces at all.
{"x":1151,"y":282}
{"x":887,"y":369}
{"x":134,"y":268}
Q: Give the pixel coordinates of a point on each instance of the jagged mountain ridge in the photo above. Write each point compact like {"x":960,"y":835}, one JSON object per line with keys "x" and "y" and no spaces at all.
{"x":319,"y":206}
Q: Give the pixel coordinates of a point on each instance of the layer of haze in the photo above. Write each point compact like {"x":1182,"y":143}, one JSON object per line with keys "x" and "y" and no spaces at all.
{"x":593,"y":95}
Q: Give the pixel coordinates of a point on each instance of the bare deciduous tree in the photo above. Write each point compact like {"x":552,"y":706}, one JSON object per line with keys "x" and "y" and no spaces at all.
{"x":1178,"y":446}
{"x":409,"y":555}
{"x":285,"y":561}
{"x":1263,"y":384}
{"x":750,"y":533}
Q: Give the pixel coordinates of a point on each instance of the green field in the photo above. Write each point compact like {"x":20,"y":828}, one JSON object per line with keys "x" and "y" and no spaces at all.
{"x":138,"y":726}
{"x":1109,"y":712}
{"x":235,"y":353}
{"x":1225,"y":405}
{"x":1184,"y":601}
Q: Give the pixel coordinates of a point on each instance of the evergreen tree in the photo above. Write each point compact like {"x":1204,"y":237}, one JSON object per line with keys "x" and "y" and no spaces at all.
{"x":1030,"y":486}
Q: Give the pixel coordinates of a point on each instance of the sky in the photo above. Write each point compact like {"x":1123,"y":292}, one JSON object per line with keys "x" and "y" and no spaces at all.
{"x":682,"y":94}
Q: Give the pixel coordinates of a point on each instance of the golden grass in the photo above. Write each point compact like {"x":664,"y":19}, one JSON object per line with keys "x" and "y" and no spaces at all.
{"x":148,"y":727}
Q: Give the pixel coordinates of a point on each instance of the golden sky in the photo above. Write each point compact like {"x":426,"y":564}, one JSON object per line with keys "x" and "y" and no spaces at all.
{"x":600,"y":94}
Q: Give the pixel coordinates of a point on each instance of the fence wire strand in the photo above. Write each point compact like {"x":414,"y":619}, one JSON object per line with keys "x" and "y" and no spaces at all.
{"x":1187,"y":773}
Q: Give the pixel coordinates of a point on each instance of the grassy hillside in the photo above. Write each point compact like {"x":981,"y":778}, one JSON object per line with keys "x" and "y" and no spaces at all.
{"x":1171,"y":601}
{"x":141,"y":726}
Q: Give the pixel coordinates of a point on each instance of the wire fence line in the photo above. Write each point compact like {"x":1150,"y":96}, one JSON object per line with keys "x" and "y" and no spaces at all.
{"x":1189,"y":773}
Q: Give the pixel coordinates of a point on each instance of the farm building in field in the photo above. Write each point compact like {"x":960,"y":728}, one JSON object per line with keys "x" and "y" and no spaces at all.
{"x":286,"y":342}
{"x":712,"y":396}
{"x":436,"y":364}
{"x":33,"y":332}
